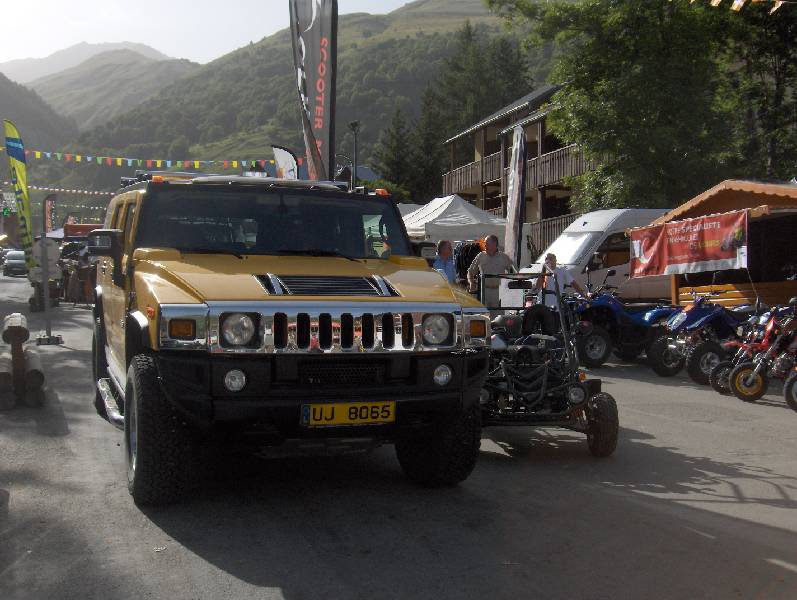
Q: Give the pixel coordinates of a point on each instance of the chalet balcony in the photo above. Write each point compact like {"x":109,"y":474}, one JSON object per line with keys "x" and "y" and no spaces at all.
{"x":547,"y":169}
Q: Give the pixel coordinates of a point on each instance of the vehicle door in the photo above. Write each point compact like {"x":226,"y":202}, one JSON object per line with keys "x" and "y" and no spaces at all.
{"x":614,"y":252}
{"x":115,"y":297}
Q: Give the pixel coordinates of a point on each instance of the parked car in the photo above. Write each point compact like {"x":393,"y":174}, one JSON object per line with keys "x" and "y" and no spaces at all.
{"x":15,"y":263}
{"x":596,"y":242}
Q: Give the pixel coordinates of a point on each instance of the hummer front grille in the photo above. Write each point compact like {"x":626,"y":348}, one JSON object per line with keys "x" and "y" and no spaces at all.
{"x":323,"y":285}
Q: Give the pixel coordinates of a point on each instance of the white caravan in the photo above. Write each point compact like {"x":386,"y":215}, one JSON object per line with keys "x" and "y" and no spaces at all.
{"x":598,"y":240}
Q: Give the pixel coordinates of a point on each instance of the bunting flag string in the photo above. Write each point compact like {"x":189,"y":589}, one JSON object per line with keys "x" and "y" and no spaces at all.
{"x":41,"y":188}
{"x":153,"y":163}
{"x":738,"y":5}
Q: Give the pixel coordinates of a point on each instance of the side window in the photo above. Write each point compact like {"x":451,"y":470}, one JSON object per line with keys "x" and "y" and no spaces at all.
{"x":113,"y":223}
{"x":130,"y":219}
{"x":615,"y":250}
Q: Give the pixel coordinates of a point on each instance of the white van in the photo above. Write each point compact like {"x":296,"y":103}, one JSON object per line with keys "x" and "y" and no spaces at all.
{"x":598,"y":239}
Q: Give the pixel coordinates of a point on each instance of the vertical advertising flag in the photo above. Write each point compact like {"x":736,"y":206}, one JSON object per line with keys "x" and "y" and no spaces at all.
{"x":15,"y":150}
{"x":516,"y":197}
{"x":287,"y":166}
{"x":314,"y":33}
{"x":49,"y":213}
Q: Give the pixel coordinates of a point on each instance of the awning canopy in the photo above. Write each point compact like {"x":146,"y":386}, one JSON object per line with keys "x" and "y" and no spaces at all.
{"x":734,"y":194}
{"x":453,"y":218}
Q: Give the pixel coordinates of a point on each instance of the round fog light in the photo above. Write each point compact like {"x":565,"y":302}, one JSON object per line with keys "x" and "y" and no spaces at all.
{"x":442,"y":375}
{"x":235,"y":380}
{"x":576,"y":394}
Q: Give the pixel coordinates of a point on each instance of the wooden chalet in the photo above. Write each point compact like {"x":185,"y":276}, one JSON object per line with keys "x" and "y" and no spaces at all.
{"x":483,"y":181}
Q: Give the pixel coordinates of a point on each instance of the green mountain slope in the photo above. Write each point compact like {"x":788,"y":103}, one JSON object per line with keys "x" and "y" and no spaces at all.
{"x":25,"y":70}
{"x":108,"y":85}
{"x":40,"y":126}
{"x":240,"y":103}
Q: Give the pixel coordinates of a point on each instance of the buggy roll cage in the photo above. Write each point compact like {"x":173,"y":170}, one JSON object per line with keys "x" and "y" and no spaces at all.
{"x":565,"y":325}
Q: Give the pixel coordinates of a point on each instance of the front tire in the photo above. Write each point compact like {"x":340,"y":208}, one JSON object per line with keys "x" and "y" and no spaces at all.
{"x":604,"y":425}
{"x":744,"y":385}
{"x":701,"y":360}
{"x":719,"y":379}
{"x":663,"y":360}
{"x":790,"y":391}
{"x":447,"y":456}
{"x":595,"y":347}
{"x":158,"y":449}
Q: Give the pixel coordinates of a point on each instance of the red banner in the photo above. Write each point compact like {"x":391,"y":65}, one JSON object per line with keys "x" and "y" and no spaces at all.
{"x":710,"y":243}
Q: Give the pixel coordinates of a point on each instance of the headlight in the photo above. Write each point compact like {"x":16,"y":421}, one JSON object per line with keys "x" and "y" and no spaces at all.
{"x":576,"y":394}
{"x":436,"y":329}
{"x":238,"y":329}
{"x":442,"y":375}
{"x":677,"y":320}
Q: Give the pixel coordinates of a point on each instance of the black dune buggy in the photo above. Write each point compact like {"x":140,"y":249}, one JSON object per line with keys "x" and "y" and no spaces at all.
{"x":535,"y":379}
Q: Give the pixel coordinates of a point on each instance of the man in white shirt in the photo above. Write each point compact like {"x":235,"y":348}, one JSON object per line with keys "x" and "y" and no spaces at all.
{"x":564,"y":278}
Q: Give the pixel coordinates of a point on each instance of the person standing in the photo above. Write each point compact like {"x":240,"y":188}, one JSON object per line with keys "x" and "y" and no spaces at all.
{"x":490,"y":262}
{"x":444,"y":263}
{"x":546,"y":282}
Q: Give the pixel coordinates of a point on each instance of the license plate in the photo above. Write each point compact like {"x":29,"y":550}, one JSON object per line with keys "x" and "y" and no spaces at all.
{"x":348,"y":413}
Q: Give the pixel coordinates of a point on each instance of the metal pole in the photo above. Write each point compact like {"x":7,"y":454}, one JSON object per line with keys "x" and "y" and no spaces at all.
{"x":355,"y":127}
{"x":45,"y":273}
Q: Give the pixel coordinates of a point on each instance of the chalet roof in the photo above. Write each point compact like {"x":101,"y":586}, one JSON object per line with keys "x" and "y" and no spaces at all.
{"x":734,"y":194}
{"x":533,"y":100}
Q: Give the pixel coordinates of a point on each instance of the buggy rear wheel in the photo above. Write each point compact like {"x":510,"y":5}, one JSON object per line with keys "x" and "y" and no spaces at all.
{"x":604,"y":425}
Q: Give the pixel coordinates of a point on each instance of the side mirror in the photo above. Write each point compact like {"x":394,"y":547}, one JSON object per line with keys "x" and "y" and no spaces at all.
{"x":108,"y":243}
{"x":611,"y":273}
{"x":793,"y":302}
{"x":427,"y":250}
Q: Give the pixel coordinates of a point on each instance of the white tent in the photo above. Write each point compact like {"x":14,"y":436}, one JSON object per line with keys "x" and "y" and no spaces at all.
{"x":406,"y":209}
{"x":452,"y":218}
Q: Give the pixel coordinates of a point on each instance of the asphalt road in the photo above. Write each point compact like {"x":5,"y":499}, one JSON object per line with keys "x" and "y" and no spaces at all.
{"x":700,"y":501}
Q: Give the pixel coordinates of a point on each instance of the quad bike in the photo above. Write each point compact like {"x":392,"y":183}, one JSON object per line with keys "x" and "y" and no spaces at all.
{"x":626,"y":328}
{"x":535,"y":379}
{"x":695,"y":336}
{"x":749,"y":380}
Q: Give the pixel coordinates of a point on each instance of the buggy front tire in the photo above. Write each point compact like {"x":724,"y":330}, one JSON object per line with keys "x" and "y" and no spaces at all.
{"x":701,"y":360}
{"x":603,"y":425}
{"x":445,"y":457}
{"x":158,"y":449}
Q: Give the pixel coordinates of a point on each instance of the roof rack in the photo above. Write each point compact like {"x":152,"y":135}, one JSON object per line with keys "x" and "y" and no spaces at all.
{"x":202,"y":178}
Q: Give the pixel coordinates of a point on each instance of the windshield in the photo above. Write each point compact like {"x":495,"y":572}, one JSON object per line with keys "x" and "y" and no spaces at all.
{"x":16,"y":255}
{"x":253,"y":222}
{"x":570,"y":248}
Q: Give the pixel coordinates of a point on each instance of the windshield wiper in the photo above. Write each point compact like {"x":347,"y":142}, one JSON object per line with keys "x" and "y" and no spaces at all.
{"x":318,"y":252}
{"x":210,"y":251}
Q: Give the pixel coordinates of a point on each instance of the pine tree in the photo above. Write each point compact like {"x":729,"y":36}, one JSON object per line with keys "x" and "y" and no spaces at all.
{"x":427,"y":155}
{"x":392,"y":153}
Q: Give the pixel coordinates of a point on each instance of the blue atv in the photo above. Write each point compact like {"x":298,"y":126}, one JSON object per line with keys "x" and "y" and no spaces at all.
{"x":694,"y":337}
{"x":627,"y":328}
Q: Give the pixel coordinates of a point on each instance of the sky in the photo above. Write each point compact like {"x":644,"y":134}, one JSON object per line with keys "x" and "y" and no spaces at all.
{"x":199,"y":30}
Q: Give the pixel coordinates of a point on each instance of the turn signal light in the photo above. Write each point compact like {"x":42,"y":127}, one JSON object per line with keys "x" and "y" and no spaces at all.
{"x":478,"y":329}
{"x":182,"y":329}
{"x":381,"y":192}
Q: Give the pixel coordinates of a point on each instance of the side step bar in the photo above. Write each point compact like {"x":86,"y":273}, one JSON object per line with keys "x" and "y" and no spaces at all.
{"x":105,"y":387}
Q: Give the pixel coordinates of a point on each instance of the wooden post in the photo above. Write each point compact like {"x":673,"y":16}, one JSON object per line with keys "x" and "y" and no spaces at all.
{"x":451,"y":155}
{"x":674,"y":291}
{"x":540,"y":137}
{"x":541,"y":202}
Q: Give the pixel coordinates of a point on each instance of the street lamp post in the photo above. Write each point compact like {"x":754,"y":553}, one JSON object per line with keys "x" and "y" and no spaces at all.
{"x":355,"y":128}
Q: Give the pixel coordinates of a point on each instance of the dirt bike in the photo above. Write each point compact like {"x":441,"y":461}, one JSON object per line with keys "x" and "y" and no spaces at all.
{"x":749,"y":380}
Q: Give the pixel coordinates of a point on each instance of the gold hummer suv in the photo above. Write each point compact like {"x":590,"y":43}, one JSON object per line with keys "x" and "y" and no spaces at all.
{"x":278,"y":313}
